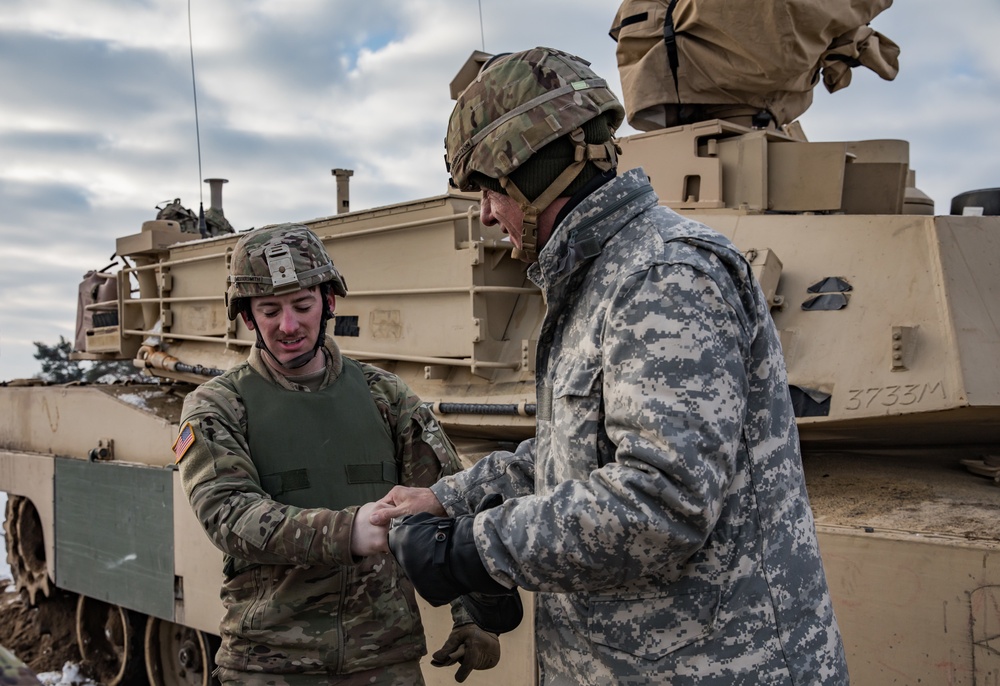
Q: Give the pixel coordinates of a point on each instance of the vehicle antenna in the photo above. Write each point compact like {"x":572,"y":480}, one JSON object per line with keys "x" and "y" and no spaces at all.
{"x":482,"y":35}
{"x":202,"y":227}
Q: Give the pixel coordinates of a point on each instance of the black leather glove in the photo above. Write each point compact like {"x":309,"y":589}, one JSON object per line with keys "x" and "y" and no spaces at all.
{"x":495,"y":613}
{"x":439,"y":556}
{"x":469,"y":646}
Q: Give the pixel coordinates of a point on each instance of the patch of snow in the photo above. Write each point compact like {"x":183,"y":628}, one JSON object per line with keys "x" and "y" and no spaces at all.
{"x":69,"y":676}
{"x":135,"y":399}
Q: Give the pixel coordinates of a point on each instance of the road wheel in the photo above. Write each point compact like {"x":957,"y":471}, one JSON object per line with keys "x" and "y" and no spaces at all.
{"x":26,"y":549}
{"x":110,"y":642}
{"x":179,"y":656}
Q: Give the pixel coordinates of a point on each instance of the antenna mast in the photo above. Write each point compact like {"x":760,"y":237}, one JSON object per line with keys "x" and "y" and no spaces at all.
{"x":482,"y":34}
{"x":202,"y":228}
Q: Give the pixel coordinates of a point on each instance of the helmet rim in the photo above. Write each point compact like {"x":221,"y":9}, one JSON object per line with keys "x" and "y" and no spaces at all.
{"x":532,"y":115}
{"x":275,"y":260}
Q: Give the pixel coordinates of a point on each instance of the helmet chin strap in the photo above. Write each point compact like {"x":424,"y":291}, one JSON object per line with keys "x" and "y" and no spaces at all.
{"x":600,"y":154}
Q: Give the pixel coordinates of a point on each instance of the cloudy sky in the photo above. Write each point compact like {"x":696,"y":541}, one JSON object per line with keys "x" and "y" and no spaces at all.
{"x":97,"y":120}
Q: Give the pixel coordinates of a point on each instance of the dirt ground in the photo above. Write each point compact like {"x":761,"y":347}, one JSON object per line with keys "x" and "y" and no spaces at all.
{"x":43,"y":637}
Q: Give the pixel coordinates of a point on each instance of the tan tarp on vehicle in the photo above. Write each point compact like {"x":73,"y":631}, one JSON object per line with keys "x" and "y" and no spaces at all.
{"x":728,"y":59}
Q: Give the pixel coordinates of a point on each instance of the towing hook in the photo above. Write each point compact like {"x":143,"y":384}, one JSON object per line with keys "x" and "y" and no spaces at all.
{"x":104,"y":451}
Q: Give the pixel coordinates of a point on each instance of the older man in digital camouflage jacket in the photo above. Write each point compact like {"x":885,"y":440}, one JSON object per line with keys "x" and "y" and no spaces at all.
{"x":277,"y":454}
{"x":661,"y":512}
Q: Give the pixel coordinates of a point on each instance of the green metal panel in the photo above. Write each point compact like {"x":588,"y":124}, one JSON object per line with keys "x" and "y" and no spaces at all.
{"x":114,"y":534}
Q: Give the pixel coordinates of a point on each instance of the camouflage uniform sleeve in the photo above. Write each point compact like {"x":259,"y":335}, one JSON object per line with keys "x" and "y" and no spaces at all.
{"x":224,"y":488}
{"x":13,"y":672}
{"x":511,"y":474}
{"x":674,"y":346}
{"x":423,"y":450}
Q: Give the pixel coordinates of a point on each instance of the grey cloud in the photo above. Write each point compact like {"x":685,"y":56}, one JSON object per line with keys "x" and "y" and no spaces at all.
{"x":51,"y":142}
{"x":86,"y":78}
{"x":26,"y":203}
{"x":308,"y":52}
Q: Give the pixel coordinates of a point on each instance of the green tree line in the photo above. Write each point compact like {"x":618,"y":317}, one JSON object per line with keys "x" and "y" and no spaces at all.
{"x":57,"y":367}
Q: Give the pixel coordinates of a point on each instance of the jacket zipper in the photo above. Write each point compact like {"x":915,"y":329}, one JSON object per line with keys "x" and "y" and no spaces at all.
{"x":548,"y":323}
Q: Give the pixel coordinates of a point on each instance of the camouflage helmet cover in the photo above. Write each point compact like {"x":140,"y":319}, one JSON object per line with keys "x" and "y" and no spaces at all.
{"x":275,"y":260}
{"x":519,"y":103}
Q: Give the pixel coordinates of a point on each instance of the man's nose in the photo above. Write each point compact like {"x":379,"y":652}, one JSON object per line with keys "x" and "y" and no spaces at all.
{"x":288,"y":322}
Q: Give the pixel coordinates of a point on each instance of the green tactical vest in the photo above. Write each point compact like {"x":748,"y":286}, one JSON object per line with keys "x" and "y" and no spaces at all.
{"x":329,"y":449}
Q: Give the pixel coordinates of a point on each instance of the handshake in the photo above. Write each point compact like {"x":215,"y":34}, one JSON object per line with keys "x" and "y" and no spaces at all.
{"x":438,"y":553}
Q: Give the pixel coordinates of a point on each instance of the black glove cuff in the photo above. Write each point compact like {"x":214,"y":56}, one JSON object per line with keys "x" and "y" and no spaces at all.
{"x":439,"y":556}
{"x":497,"y":614}
{"x":466,"y":564}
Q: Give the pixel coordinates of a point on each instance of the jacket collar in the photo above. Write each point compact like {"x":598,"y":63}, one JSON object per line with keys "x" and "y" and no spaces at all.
{"x":581,"y":234}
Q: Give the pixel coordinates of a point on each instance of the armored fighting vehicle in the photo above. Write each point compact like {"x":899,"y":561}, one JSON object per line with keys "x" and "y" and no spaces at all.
{"x":890,"y":324}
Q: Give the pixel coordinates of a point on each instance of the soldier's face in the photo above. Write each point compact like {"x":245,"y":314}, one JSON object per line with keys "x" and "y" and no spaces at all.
{"x":497,"y":208}
{"x":289,"y":324}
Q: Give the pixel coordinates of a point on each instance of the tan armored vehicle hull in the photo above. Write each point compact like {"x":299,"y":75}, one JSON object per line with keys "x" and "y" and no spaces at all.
{"x":889,"y":323}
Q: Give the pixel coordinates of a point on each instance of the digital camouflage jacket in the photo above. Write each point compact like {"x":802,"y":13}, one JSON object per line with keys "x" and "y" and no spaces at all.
{"x":661,"y":511}
{"x":296,"y":601}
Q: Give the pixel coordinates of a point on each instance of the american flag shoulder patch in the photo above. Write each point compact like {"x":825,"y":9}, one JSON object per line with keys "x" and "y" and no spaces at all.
{"x":184,"y":440}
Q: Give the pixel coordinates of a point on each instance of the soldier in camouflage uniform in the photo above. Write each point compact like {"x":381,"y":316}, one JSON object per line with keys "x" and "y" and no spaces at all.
{"x":275,"y":456}
{"x":661,"y":511}
{"x":13,"y":672}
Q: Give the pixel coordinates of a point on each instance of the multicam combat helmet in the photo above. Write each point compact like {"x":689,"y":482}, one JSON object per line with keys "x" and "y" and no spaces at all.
{"x":276,"y":260}
{"x":518,"y":104}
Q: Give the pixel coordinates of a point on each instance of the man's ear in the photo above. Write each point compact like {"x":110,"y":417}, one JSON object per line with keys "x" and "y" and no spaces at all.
{"x":247,"y":320}
{"x":331,"y":301}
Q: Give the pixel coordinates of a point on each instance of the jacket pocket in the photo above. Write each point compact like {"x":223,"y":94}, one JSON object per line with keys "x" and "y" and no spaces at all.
{"x":576,"y":381}
{"x":651,"y":626}
{"x":578,"y":416}
{"x":576,"y":396}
